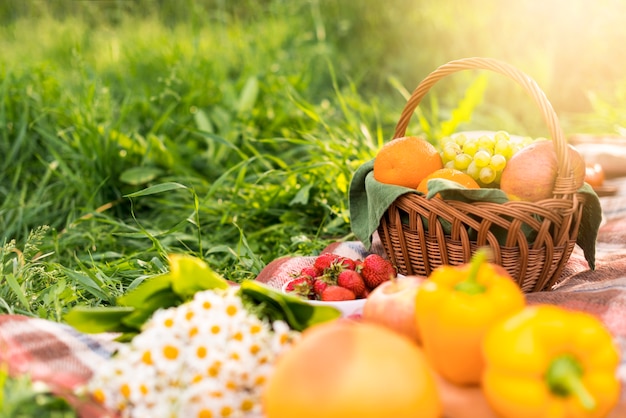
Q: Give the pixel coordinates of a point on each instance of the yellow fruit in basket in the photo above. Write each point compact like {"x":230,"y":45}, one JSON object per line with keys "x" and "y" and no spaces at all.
{"x":482,"y":154}
{"x":531,"y":173}
{"x":406,"y":161}
{"x":343,"y":369}
{"x":456,"y":176}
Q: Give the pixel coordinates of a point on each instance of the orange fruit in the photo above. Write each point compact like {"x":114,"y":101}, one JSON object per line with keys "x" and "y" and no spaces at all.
{"x":342,"y":369}
{"x":406,"y":161}
{"x":452,"y":174}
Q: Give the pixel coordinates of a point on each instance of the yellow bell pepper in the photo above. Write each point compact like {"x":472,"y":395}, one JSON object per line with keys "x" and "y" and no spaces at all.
{"x":547,"y":361}
{"x":455,"y":307}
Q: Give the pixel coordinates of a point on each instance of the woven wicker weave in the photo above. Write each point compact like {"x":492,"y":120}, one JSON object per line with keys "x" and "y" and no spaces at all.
{"x":417,"y":249}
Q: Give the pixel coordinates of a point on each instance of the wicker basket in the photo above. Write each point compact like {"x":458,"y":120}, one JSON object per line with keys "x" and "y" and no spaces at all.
{"x":554,"y":223}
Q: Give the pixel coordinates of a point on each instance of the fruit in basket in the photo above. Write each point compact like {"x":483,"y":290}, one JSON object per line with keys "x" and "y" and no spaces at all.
{"x":531,"y":173}
{"x":451,"y":174}
{"x":392,"y":304}
{"x":481,"y":154}
{"x":406,"y":161}
{"x":342,"y":369}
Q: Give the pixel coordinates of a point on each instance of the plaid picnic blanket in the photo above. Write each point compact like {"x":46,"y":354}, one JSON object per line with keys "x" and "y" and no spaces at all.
{"x":55,"y":354}
{"x":65,"y":359}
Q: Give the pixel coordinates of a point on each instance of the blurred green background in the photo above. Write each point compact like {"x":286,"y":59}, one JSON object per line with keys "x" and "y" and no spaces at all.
{"x":570,"y":47}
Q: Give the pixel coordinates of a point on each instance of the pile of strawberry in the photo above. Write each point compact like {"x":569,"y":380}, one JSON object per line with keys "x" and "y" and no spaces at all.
{"x":334,"y":278}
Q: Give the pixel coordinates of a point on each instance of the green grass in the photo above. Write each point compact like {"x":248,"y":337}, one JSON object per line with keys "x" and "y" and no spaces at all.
{"x":22,"y":398}
{"x":223,"y":115}
{"x":230,"y":130}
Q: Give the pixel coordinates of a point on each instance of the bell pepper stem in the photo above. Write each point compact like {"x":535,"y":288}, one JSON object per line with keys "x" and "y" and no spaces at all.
{"x":564,"y":379}
{"x":470,"y":285}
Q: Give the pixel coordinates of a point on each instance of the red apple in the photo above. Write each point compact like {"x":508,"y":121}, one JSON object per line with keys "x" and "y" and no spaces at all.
{"x":530,"y":174}
{"x":392,"y":304}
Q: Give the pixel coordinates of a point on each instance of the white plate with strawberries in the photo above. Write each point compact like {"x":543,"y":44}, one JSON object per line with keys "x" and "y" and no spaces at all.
{"x":339,"y":281}
{"x":348,"y":308}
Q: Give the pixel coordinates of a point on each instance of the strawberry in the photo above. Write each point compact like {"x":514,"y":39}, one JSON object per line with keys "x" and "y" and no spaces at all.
{"x":347,"y":263}
{"x":309,"y":271}
{"x":376,"y":270}
{"x":352,"y":280}
{"x":300,"y":286}
{"x":337,"y":293}
{"x":319,"y":285}
{"x":324,"y":261}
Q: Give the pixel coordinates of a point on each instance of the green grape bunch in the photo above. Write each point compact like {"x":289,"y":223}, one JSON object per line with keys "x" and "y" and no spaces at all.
{"x":482,"y":154}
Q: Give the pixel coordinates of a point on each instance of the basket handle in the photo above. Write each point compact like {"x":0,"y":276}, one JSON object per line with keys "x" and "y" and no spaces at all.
{"x":565,"y":180}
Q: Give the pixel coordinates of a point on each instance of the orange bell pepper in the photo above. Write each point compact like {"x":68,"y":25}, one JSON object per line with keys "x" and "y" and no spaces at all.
{"x":455,"y":306}
{"x":547,"y":361}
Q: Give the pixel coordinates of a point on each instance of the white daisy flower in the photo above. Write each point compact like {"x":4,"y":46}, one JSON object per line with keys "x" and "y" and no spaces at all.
{"x":206,"y":358}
